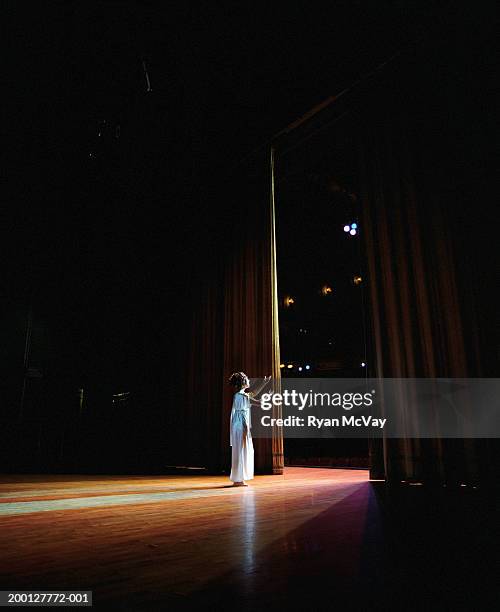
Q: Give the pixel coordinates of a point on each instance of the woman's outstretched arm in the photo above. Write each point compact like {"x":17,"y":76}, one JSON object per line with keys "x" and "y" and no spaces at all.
{"x":258,"y":389}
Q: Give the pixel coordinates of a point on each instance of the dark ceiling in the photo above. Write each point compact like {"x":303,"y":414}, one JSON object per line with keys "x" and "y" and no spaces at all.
{"x":224,"y":76}
{"x":102,"y":205}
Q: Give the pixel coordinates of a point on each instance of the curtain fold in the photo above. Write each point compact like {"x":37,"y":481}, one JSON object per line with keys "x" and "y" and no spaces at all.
{"x":416,"y":314}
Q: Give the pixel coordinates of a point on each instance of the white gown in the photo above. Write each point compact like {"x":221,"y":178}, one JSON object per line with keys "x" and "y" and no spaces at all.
{"x":240,"y":438}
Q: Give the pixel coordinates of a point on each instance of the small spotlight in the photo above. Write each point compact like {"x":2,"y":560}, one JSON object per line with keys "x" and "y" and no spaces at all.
{"x":354,"y":226}
{"x":300,"y":368}
{"x":326,"y":290}
{"x":290,"y":366}
{"x":288,"y":301}
{"x":363,"y":364}
{"x":282,"y":365}
{"x":347,"y":228}
{"x":353,"y":232}
{"x":357,"y":280}
{"x":308,"y":367}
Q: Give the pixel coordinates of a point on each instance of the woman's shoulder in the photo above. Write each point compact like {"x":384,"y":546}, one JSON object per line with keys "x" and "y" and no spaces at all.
{"x":241,"y":395}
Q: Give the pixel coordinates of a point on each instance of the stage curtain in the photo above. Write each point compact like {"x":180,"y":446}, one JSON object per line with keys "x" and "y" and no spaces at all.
{"x":251,"y":335}
{"x":198,"y":425}
{"x":234,"y":323}
{"x":422,"y":320}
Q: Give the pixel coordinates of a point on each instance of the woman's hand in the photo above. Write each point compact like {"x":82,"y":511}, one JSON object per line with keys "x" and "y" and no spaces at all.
{"x":266,"y":380}
{"x":261,"y":386}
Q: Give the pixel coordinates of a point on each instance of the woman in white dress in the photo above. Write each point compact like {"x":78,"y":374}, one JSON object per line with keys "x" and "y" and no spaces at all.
{"x":240,"y":435}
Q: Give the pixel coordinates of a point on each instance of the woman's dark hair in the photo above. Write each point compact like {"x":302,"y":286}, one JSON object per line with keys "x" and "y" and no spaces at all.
{"x":236,"y":379}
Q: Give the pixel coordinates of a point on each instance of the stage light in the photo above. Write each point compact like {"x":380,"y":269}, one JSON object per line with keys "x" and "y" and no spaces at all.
{"x":354,"y":225}
{"x":353,"y":232}
{"x":288,"y":301}
{"x":347,"y":228}
{"x":290,"y":366}
{"x":326,"y":290}
{"x":300,"y":368}
{"x":357,"y":280}
{"x":363,"y":364}
{"x":282,"y":365}
{"x":308,"y":367}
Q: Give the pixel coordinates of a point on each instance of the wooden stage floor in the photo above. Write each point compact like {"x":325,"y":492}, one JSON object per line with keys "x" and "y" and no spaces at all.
{"x":306,"y":538}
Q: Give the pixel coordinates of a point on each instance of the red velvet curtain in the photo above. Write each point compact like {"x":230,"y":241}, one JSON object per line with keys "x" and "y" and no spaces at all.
{"x":414,"y":171}
{"x":422,"y":311}
{"x":234,"y":324}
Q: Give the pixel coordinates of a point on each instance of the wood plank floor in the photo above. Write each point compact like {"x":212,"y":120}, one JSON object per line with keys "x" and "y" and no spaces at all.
{"x":194,"y":542}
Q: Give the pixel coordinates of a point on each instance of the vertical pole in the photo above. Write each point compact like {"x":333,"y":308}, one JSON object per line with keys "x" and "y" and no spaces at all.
{"x":277,"y":441}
